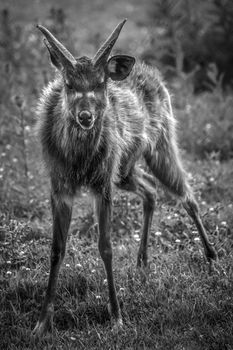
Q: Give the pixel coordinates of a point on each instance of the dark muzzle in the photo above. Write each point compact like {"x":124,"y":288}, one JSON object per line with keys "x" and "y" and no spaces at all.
{"x":85,"y":119}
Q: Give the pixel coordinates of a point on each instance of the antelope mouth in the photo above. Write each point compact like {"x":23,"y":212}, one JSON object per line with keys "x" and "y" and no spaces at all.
{"x":85,"y":124}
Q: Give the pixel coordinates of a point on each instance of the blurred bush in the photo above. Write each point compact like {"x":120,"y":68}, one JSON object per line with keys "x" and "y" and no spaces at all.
{"x":206,"y":124}
{"x":24,"y":71}
{"x":190,"y":35}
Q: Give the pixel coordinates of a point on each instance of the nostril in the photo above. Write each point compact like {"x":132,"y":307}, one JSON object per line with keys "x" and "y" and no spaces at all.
{"x":85,"y":115}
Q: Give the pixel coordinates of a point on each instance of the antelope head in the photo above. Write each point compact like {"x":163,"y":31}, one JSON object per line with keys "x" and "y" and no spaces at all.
{"x":85,"y":79}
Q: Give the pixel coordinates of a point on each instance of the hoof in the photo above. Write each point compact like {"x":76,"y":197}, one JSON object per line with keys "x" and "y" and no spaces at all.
{"x":211,"y":254}
{"x":117,"y":322}
{"x":216,"y":268}
{"x":45,"y":320}
{"x":117,"y":326}
{"x":39,"y":329}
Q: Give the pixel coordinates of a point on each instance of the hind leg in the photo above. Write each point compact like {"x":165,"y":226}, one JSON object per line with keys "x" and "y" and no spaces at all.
{"x":192,"y":209}
{"x":136,"y":182}
{"x":148,"y":209}
{"x":165,"y":164}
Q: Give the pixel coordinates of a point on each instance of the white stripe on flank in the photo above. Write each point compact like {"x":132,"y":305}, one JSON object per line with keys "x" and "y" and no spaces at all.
{"x":78,"y":95}
{"x":90,"y":94}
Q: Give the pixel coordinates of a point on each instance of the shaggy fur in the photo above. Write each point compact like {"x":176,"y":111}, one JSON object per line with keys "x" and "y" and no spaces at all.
{"x":135,"y":120}
{"x":132,"y":120}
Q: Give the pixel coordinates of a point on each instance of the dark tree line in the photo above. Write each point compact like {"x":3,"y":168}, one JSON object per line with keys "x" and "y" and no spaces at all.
{"x":195,"y":36}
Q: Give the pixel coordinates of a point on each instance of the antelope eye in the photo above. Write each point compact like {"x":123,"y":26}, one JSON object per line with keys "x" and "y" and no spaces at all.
{"x":99,"y":87}
{"x":69,"y":86}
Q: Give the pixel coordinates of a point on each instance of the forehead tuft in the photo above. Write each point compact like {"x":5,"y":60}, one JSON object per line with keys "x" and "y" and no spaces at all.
{"x":85,"y":75}
{"x":83,"y":64}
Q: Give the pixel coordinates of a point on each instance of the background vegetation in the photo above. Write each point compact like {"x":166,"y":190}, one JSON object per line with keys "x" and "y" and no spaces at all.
{"x":175,"y":303}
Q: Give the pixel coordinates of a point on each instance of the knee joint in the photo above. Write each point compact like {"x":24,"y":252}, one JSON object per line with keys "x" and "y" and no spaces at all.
{"x":149,"y":203}
{"x":105,"y":251}
{"x":191,"y":206}
{"x":57,"y":255}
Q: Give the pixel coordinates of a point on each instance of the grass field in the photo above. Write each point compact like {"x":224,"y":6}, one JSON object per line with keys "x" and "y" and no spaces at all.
{"x":175,"y":303}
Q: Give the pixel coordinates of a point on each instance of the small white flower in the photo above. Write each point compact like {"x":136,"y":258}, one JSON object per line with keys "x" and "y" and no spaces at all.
{"x":190,"y":176}
{"x":8,"y":147}
{"x":136,"y":237}
{"x":9,"y":273}
{"x":196,"y":239}
{"x":177,"y":240}
{"x":14,"y":160}
{"x":27,"y":128}
{"x":3,"y":154}
{"x":67,"y":265}
{"x":122,"y":248}
{"x":158,"y":233}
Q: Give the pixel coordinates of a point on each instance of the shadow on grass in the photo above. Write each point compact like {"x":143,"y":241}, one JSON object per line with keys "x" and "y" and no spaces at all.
{"x":82,"y":318}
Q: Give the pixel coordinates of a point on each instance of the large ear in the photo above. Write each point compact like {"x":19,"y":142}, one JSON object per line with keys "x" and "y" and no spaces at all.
{"x":119,"y":66}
